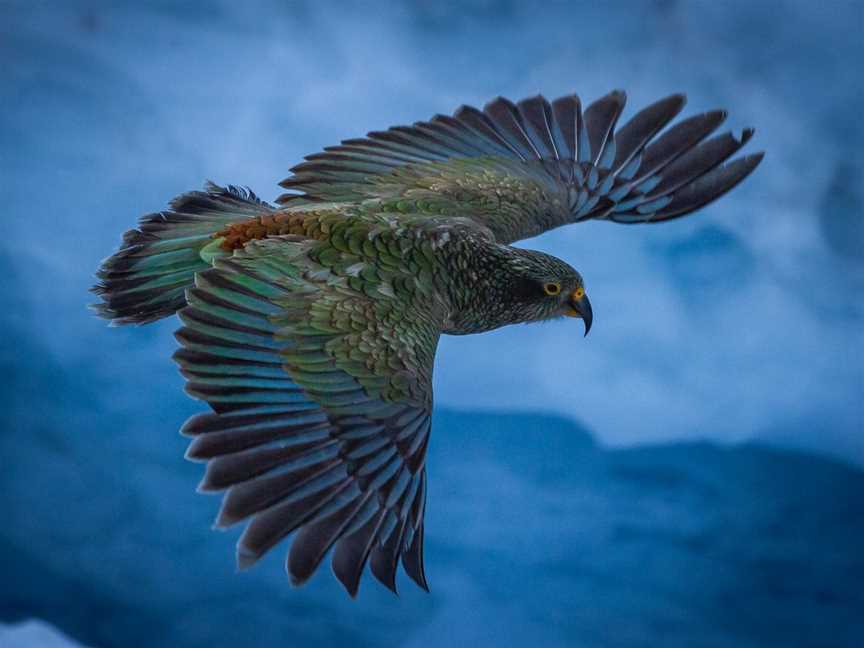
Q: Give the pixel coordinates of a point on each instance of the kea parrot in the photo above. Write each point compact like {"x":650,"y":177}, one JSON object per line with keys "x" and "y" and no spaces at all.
{"x":310,"y":326}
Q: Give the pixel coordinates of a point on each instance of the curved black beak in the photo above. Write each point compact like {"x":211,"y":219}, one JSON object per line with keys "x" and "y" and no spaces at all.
{"x":582,"y":308}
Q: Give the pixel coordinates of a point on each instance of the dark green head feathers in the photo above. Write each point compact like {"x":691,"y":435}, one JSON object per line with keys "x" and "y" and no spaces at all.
{"x":512,"y":286}
{"x":310,"y":328}
{"x":546,"y":288}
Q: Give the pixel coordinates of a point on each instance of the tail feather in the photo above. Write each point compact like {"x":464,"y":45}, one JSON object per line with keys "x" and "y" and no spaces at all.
{"x":147,"y":278}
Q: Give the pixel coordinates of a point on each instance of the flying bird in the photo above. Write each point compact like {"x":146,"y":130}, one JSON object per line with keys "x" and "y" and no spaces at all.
{"x":310,"y":326}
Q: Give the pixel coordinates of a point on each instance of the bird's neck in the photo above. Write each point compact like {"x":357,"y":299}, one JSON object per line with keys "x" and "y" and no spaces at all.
{"x":478,"y":295}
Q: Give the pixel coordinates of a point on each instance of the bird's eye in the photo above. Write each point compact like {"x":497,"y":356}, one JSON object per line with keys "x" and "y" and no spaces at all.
{"x":552,"y":288}
{"x":579,"y":293}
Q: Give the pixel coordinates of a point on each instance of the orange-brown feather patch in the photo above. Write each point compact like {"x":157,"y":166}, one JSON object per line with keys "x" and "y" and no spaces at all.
{"x":236,"y":235}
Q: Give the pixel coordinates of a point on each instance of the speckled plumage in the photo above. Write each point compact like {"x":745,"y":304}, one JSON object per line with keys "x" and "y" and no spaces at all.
{"x":311,"y":328}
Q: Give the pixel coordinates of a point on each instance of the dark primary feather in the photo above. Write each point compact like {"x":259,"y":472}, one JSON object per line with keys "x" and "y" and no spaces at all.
{"x":698,"y":161}
{"x":568,"y":117}
{"x":709,"y":187}
{"x":536,"y":114}
{"x":481,"y":124}
{"x":679,"y":139}
{"x":632,"y":136}
{"x":505,"y":118}
{"x":573,"y":164}
{"x":600,"y":119}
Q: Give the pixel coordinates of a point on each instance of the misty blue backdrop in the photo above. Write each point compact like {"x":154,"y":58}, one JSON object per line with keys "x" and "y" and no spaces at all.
{"x":689,"y":474}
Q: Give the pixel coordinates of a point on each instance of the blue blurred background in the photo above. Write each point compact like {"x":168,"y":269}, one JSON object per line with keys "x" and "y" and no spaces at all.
{"x":688,"y":475}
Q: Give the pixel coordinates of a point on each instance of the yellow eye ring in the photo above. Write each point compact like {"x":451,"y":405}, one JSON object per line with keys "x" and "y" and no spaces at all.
{"x":552,"y":288}
{"x":579,"y":293}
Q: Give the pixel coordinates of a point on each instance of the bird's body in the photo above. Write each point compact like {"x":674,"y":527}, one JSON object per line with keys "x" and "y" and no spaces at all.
{"x":450,"y":269}
{"x":311,"y":328}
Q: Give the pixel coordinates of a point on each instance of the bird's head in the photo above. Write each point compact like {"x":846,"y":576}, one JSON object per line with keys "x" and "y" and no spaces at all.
{"x":543,"y":287}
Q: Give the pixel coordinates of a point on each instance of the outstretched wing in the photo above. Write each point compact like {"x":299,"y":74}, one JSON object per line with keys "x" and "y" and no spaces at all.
{"x":321,"y":393}
{"x":523,"y":168}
